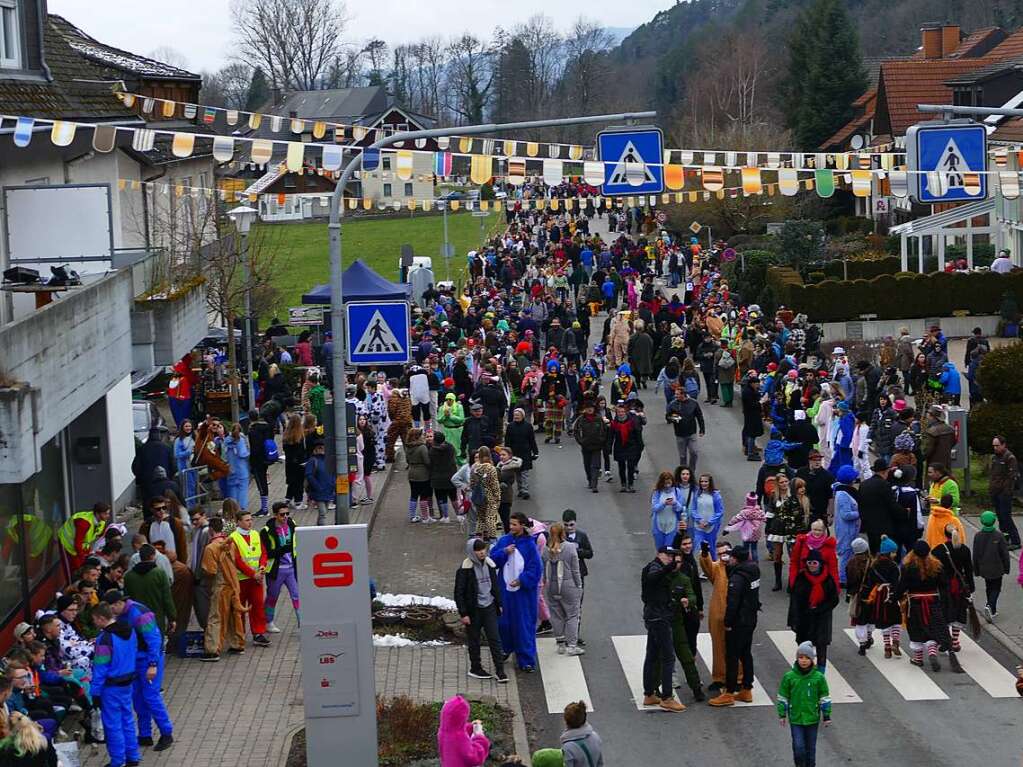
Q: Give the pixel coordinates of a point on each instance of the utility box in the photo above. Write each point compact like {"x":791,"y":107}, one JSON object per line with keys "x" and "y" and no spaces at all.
{"x":957,"y":418}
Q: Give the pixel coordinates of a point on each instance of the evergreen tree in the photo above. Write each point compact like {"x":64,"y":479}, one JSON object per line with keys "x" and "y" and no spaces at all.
{"x":259,"y":91}
{"x":825,"y":74}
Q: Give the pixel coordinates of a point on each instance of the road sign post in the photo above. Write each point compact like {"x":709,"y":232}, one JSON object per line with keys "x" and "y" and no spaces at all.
{"x":633,"y":161}
{"x":377,"y":333}
{"x":338,"y":684}
{"x":947,"y":160}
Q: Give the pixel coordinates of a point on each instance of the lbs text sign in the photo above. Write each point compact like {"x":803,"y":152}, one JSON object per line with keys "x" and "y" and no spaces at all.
{"x":338,"y":685}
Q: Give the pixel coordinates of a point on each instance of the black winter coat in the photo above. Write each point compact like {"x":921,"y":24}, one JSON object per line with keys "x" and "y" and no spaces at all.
{"x":880,"y":513}
{"x":812,"y":623}
{"x":520,"y":438}
{"x":467,"y":589}
{"x":752,"y":415}
{"x":477,"y":432}
{"x":442,"y":466}
{"x":274,"y":550}
{"x":743,"y":600}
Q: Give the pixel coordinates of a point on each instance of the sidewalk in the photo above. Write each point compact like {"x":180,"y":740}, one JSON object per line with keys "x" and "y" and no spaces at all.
{"x":1008,"y":626}
{"x":242,"y":710}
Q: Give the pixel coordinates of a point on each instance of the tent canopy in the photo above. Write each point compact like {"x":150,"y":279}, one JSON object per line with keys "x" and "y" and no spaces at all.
{"x":360,"y":284}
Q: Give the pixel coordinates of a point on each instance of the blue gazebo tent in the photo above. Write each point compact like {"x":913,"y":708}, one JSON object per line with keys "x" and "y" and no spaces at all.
{"x":360,"y":284}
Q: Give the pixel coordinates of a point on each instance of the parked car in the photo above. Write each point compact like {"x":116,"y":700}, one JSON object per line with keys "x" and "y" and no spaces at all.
{"x":144,"y":416}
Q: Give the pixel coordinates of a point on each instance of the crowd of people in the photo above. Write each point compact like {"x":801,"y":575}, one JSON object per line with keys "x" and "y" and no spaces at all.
{"x":853,"y":490}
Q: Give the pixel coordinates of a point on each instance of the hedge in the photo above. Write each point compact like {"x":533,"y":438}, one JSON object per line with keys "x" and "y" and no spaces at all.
{"x":899,"y":296}
{"x":990,"y":418}
{"x":865,"y":268}
{"x":999,"y":376}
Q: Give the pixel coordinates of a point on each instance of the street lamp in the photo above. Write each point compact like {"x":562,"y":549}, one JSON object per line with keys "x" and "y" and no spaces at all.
{"x":243,"y":217}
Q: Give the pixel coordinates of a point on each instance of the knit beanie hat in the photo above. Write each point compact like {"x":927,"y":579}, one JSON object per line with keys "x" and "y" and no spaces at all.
{"x":860,"y":546}
{"x":987,"y":521}
{"x":921,"y":548}
{"x":887,"y":546}
{"x":807,"y":649}
{"x":847,"y":475}
{"x":751,"y":499}
{"x":548,"y":757}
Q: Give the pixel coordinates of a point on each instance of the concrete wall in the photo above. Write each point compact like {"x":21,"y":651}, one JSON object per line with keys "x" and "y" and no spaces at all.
{"x":178,"y":324}
{"x":73,"y":352}
{"x":876,"y":330}
{"x":121,"y":446}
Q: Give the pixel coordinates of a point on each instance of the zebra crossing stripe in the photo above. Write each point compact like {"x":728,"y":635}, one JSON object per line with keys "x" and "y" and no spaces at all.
{"x":563,"y":679}
{"x":705,"y":646}
{"x":911,"y":682}
{"x":996,"y":680}
{"x":841,"y":691}
{"x":631,"y":650}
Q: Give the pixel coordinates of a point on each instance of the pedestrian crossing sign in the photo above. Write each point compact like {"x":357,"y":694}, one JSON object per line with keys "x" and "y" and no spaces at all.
{"x":377,"y":333}
{"x":947,"y":161}
{"x":633,"y":161}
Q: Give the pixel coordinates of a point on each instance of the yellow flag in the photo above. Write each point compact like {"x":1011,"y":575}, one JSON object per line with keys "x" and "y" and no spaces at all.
{"x":481,"y":168}
{"x":532,"y":148}
{"x":296,"y":153}
{"x":169,"y":108}
{"x":183,"y":144}
{"x":403,"y":164}
{"x":751,"y":183}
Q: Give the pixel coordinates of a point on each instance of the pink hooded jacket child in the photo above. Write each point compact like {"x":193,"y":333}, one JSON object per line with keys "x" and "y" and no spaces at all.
{"x":457,"y":746}
{"x":749,"y":522}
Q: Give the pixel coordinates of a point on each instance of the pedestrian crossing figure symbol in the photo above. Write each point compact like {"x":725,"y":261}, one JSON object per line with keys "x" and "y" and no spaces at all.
{"x":952,"y":166}
{"x":631,"y":169}
{"x":377,"y":337}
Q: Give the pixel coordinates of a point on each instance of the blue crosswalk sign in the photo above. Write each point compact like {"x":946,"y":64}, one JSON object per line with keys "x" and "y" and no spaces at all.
{"x":377,"y":333}
{"x":950,"y":160}
{"x":632,"y":161}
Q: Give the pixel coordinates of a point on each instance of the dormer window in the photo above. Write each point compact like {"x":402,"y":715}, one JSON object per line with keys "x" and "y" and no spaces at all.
{"x":10,"y":35}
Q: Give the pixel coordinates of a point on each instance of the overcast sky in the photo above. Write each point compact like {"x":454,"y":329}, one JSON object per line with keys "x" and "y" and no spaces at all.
{"x":201,"y":29}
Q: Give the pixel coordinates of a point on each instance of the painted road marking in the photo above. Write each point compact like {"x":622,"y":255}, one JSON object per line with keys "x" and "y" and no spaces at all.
{"x":911,"y":682}
{"x":563,"y":679}
{"x":706,"y":648}
{"x":996,"y":680}
{"x":841,"y":691}
{"x":631,"y":651}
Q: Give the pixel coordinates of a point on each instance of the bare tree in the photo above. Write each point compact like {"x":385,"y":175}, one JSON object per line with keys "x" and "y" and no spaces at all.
{"x":169,"y":55}
{"x":227,"y":87}
{"x":296,"y":42}
{"x":471,"y":78}
{"x":376,"y":53}
{"x":545,"y":47}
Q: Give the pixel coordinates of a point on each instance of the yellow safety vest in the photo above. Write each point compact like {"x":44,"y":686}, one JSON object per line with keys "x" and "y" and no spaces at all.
{"x":39,"y":534}
{"x":66,"y":534}
{"x":250,"y":550}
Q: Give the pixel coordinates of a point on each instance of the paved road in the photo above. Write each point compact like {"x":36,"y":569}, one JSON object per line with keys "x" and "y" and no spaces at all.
{"x":911,"y":731}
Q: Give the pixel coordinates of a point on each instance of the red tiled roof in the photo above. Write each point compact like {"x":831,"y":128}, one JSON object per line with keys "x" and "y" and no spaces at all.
{"x":1010,"y":129}
{"x":905,"y":84}
{"x":975,"y":42}
{"x":1010,"y":48}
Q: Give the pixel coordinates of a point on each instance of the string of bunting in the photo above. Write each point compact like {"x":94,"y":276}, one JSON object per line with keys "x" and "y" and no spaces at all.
{"x":510,"y":148}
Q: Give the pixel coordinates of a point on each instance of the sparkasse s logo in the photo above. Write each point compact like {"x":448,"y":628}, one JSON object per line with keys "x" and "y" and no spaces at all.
{"x":333,"y":569}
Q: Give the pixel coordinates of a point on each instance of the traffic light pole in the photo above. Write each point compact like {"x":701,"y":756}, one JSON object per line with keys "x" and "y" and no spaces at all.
{"x":337,"y":363}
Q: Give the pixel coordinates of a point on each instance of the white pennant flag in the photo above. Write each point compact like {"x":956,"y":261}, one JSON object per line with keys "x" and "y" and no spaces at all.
{"x":223,"y":148}
{"x":553,"y":172}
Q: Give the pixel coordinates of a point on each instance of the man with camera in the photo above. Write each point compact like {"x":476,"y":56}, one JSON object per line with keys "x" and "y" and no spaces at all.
{"x":658,"y":612}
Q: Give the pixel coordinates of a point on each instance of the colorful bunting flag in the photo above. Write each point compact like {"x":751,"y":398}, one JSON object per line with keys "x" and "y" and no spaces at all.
{"x":255,"y":120}
{"x":223,"y":148}
{"x":232,"y":116}
{"x":553,"y":172}
{"x":593,"y":172}
{"x":297,"y":125}
{"x":674,"y":176}
{"x":788,"y":181}
{"x":516,"y":171}
{"x":825,"y":182}
{"x":190,"y":111}
{"x":23,"y":131}
{"x":209,"y":115}
{"x":169,"y":108}
{"x":861,"y":183}
{"x":182,"y":144}
{"x":104,"y":138}
{"x":295,"y":156}
{"x":1009,"y":183}
{"x":532,"y":149}
{"x":62,"y":133}
{"x":403,"y":165}
{"x":481,"y":168}
{"x":261,"y":151}
{"x":276,"y":123}
{"x":713,"y":179}
{"x":898,"y":180}
{"x":143,"y":140}
{"x":751,"y":182}
{"x":442,"y":164}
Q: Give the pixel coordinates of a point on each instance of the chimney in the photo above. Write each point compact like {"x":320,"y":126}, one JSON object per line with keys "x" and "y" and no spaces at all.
{"x":949,"y":39}
{"x":931,"y":34}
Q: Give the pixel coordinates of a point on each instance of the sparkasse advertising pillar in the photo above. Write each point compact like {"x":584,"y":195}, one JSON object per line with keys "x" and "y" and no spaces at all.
{"x":338,"y":685}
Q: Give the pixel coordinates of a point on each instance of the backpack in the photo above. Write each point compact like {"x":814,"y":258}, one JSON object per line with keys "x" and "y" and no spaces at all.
{"x":727,"y":362}
{"x":270,"y":451}
{"x":692,"y":386}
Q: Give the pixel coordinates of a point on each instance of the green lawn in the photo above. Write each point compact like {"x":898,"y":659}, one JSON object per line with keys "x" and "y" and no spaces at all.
{"x":377,"y":242}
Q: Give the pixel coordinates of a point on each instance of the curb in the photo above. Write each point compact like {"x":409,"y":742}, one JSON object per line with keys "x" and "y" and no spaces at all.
{"x":1014,"y":646}
{"x":384,"y":482}
{"x":519,"y":734}
{"x":286,"y":747}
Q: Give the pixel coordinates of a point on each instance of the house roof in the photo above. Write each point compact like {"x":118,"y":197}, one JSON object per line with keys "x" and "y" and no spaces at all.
{"x":69,"y":95}
{"x":109,"y":57}
{"x":1010,"y":129}
{"x":986,"y":72}
{"x":905,"y":84}
{"x":978,"y":43}
{"x":1011,"y":47}
{"x":338,"y":104}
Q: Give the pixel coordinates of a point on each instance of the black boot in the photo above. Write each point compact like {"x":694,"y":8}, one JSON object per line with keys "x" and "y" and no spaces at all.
{"x":777,"y":576}
{"x":953,"y":663}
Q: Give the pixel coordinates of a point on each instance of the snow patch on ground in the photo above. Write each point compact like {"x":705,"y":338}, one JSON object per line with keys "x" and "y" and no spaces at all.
{"x":400,"y":640}
{"x":407,"y":600}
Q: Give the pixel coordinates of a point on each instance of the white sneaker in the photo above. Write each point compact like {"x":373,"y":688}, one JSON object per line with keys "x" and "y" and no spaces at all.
{"x":607,"y":476}
{"x":302,"y":506}
{"x":429,"y":521}
{"x":574,"y":650}
{"x":561,"y":648}
{"x":272,"y":628}
{"x":445,"y":520}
